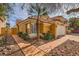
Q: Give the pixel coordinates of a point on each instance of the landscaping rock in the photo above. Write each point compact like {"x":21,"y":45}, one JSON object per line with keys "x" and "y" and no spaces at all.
{"x":10,"y":48}
{"x":69,"y":48}
{"x":1,"y":49}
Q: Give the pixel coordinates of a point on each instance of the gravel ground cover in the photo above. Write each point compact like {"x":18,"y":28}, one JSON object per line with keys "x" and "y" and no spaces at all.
{"x":8,"y":47}
{"x":69,"y":48}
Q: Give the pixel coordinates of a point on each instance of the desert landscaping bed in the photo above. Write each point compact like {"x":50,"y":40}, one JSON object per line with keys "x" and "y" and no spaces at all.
{"x":32,"y":38}
{"x":9,"y":47}
{"x":69,"y":48}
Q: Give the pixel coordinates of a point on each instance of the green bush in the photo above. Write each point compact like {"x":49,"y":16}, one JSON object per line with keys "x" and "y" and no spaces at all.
{"x":23,"y":35}
{"x":1,"y":42}
{"x":48,"y":36}
{"x":19,"y":34}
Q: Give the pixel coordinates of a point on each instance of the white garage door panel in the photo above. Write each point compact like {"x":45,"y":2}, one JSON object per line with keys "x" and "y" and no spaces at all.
{"x":60,"y":30}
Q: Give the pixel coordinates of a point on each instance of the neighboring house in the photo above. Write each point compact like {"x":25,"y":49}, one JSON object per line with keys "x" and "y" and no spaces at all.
{"x":2,"y":24}
{"x":53,"y":25}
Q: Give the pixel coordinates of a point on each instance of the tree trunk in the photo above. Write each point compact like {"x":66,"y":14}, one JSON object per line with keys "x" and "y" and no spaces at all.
{"x":38,"y":32}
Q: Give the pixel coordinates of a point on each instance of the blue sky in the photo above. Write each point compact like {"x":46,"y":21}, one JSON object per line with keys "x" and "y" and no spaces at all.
{"x":18,"y":14}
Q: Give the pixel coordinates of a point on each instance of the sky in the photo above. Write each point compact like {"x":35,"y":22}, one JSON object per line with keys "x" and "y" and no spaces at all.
{"x":18,"y":14}
{"x":55,"y":8}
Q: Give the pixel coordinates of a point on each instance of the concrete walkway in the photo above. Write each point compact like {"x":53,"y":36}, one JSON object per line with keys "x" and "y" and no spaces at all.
{"x":32,"y":50}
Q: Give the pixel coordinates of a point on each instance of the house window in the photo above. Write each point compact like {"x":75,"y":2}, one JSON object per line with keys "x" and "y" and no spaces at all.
{"x":34,"y":28}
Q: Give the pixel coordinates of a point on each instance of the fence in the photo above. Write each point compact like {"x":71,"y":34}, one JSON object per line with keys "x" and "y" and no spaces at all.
{"x":9,"y":30}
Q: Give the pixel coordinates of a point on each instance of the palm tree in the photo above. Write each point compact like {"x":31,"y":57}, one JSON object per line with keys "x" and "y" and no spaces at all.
{"x":37,"y":10}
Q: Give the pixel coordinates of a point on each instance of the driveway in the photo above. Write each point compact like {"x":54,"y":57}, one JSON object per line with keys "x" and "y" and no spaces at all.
{"x":73,"y":36}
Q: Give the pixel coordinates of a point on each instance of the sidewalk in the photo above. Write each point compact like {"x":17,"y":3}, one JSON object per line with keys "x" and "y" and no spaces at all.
{"x":31,"y":50}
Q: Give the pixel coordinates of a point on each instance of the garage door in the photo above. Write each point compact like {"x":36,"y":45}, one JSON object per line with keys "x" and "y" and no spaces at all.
{"x":60,"y":30}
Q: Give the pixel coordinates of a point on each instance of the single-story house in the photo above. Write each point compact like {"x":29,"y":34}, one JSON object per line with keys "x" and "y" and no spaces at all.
{"x":54,"y":25}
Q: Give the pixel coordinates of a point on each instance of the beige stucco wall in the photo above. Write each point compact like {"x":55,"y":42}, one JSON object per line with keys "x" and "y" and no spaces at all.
{"x":53,"y":29}
{"x":22,"y":28}
{"x":46,"y":27}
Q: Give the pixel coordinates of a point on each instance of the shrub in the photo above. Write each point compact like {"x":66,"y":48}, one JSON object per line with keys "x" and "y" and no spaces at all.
{"x":23,"y":35}
{"x":19,"y":34}
{"x":1,"y":42}
{"x":48,"y":36}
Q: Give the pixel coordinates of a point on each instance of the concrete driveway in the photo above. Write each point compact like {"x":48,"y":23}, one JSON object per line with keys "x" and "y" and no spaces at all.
{"x":73,"y":36}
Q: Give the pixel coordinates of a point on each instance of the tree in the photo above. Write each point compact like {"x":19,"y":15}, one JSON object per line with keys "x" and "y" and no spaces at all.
{"x":7,"y":25}
{"x":6,"y":9}
{"x":2,"y":10}
{"x":72,"y":10}
{"x":74,"y":22}
{"x":37,"y":10}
